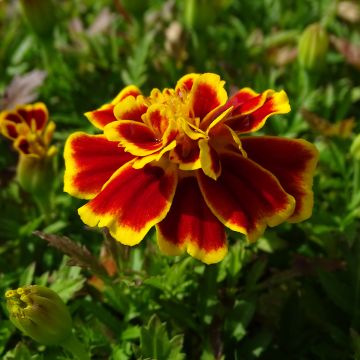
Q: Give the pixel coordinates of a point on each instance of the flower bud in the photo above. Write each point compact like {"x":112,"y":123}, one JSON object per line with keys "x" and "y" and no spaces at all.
{"x":35,"y":175}
{"x":313,"y":46}
{"x":40,"y":14}
{"x":40,"y":314}
{"x":201,"y":13}
{"x":355,"y":148}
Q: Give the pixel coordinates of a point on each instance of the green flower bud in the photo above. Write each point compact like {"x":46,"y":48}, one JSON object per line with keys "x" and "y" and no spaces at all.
{"x":201,"y":13}
{"x":40,"y":314}
{"x":35,"y":175}
{"x":313,"y":46}
{"x":40,"y":14}
{"x":355,"y":148}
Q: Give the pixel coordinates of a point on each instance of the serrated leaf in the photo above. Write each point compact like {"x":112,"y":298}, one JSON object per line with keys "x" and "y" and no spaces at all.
{"x":68,"y":280}
{"x":155,"y":342}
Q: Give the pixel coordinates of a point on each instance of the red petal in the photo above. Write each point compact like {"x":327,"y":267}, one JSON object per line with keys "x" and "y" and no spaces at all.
{"x":246,"y":197}
{"x":186,"y":83}
{"x":130,"y":90}
{"x":251,"y":116}
{"x":9,"y":130}
{"x":191,"y":226}
{"x":293,"y":162}
{"x":102,"y":116}
{"x":186,"y":154}
{"x":210,"y":162}
{"x":132,"y":202}
{"x":22,"y":145}
{"x":134,"y":136}
{"x":90,"y":160}
{"x":12,"y":116}
{"x":130,"y":109}
{"x":206,"y":94}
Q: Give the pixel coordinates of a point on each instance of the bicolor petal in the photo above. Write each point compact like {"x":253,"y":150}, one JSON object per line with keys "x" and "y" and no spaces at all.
{"x":191,"y":226}
{"x":136,"y":137}
{"x":186,"y":154}
{"x":186,"y":83}
{"x":90,"y":161}
{"x":210,"y":161}
{"x":252,"y":115}
{"x":9,"y":129}
{"x":130,"y":108}
{"x":207,"y":93}
{"x":102,"y":116}
{"x":130,"y":90}
{"x":293,"y":162}
{"x":132,"y":201}
{"x":34,"y":115}
{"x":246,"y":197}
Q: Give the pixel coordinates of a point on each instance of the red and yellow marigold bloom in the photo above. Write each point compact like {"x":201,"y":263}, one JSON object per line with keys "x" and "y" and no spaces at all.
{"x":28,"y":128}
{"x":184,"y":160}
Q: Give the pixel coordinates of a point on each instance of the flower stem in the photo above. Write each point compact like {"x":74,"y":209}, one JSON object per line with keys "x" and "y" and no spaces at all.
{"x":76,"y":348}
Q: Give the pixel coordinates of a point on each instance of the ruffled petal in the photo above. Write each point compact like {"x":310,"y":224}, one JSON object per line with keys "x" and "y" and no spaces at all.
{"x":11,"y":116}
{"x":9,"y":129}
{"x":246,"y":197}
{"x":132,"y":201}
{"x":105,"y":114}
{"x":210,"y":162}
{"x":207,"y":93}
{"x":102,"y":116}
{"x":252,"y":115}
{"x":130,"y":108}
{"x":134,"y":136}
{"x":22,"y":145}
{"x":293,"y":162}
{"x":186,"y":154}
{"x":191,"y":226}
{"x":90,"y":161}
{"x":161,"y":122}
{"x":130,"y":90}
{"x":34,"y":115}
{"x":186,"y":83}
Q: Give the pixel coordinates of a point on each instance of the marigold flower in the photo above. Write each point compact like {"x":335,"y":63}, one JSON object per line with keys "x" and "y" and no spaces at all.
{"x":176,"y":160}
{"x":28,"y":128}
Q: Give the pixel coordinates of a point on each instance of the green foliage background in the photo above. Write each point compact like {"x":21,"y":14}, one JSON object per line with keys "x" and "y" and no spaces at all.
{"x":295,"y":294}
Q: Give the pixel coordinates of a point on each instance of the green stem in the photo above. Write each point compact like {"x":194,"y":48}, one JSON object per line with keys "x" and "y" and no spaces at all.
{"x":76,"y":348}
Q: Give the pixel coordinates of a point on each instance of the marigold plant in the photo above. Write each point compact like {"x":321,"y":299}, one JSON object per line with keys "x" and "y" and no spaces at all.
{"x":185,"y":160}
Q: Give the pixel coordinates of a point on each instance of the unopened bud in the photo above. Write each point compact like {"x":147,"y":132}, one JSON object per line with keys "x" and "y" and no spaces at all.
{"x":202,"y":13}
{"x":35,"y":175}
{"x":355,"y":148}
{"x":313,"y":46}
{"x":40,"y":314}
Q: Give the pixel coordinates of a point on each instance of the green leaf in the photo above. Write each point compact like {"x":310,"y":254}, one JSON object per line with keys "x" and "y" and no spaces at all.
{"x":27,"y":276}
{"x":337,"y":291}
{"x":241,"y":315}
{"x":68,"y":280}
{"x":155,"y":342}
{"x":20,"y":352}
